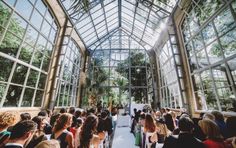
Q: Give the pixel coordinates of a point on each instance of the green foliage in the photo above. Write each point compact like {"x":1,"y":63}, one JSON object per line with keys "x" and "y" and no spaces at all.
{"x":206,"y":9}
{"x":4,"y":15}
{"x":136,"y":59}
{"x":98,"y":75}
{"x":11,"y":45}
{"x":216,"y":50}
{"x":79,"y":5}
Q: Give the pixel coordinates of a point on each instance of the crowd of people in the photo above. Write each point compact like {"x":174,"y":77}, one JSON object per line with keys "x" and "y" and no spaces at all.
{"x":176,"y":129}
{"x":94,"y":129}
{"x":72,"y":129}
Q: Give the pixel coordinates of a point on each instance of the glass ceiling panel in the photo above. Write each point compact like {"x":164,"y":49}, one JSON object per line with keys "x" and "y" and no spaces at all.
{"x":141,"y":19}
{"x":119,"y":40}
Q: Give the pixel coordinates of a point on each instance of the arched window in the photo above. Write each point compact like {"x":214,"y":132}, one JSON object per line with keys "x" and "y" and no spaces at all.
{"x":27,"y":38}
{"x":69,"y":64}
{"x":209,"y":32}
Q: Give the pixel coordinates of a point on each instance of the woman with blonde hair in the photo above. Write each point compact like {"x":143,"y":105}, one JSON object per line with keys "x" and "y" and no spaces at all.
{"x":150,"y":131}
{"x":7,"y":119}
{"x":61,"y":133}
{"x":213,"y":135}
{"x":48,"y":144}
{"x":163,"y":131}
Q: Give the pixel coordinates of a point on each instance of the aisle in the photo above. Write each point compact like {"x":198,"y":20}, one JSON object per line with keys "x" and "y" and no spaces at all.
{"x":123,"y":137}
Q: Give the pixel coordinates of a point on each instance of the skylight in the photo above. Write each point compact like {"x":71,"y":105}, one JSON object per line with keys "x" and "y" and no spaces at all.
{"x":139,"y":19}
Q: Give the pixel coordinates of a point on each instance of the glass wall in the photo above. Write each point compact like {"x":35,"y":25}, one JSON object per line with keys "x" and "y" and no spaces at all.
{"x":27,"y":37}
{"x":209,"y":32}
{"x":69,"y":65}
{"x":170,"y":75}
{"x":118,"y":72}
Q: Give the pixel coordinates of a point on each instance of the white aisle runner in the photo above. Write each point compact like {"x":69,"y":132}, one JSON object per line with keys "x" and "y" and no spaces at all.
{"x":123,"y":138}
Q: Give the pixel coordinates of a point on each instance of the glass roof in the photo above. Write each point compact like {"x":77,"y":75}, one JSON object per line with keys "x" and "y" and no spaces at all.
{"x":119,"y":39}
{"x":141,"y":19}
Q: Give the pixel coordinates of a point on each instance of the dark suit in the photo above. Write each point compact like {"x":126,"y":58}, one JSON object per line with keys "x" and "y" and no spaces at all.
{"x":184,"y":140}
{"x":105,"y":125}
{"x":12,"y":146}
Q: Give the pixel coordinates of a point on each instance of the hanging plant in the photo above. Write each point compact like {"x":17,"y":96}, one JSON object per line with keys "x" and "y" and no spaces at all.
{"x":79,"y":5}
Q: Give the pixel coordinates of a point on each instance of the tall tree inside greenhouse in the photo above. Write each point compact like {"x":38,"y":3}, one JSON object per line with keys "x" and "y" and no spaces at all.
{"x":138,"y":75}
{"x":97,"y":77}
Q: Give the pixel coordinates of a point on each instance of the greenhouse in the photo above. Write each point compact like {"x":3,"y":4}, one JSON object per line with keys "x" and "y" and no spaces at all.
{"x":118,"y":55}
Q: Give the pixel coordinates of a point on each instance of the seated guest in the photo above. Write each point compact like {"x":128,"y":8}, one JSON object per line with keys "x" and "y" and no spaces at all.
{"x":39,"y":135}
{"x":231,"y":126}
{"x":7,"y":119}
{"x":54,"y":118}
{"x":105,"y":123}
{"x":72,"y":112}
{"x":21,"y":134}
{"x":163,"y":131}
{"x":197,"y":131}
{"x":234,"y":142}
{"x":63,"y":110}
{"x":185,"y":139}
{"x":49,"y":144}
{"x":209,"y":116}
{"x":48,"y":127}
{"x":87,"y":135}
{"x":214,"y":139}
{"x":61,"y":133}
{"x":150,"y":131}
{"x":76,"y":130}
{"x":219,"y":120}
{"x":169,"y":122}
{"x":25,"y":116}
{"x":78,"y":114}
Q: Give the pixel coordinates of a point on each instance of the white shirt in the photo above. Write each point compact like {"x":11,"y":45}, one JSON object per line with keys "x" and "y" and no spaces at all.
{"x":14,"y":144}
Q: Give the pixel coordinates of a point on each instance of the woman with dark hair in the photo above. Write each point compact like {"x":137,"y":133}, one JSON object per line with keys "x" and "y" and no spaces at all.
{"x":169,"y":122}
{"x":87,"y":136}
{"x":61,"y":133}
{"x":54,"y":118}
{"x":150,"y":132}
{"x":39,"y":135}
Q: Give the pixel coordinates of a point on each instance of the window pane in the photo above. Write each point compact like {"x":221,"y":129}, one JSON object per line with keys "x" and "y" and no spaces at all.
{"x":208,"y":33}
{"x":228,"y":43}
{"x":37,"y":19}
{"x":32,"y":79}
{"x":2,"y":90}
{"x":5,"y":15}
{"x":37,"y":58}
{"x":28,"y":97}
{"x":31,"y":36}
{"x":31,"y":55}
{"x":38,"y":98}
{"x":224,"y":22}
{"x":211,"y":101}
{"x":226,"y":98}
{"x":42,"y":81}
{"x":19,"y":74}
{"x":24,"y":8}
{"x":10,"y":44}
{"x":13,"y":96}
{"x":5,"y":70}
{"x":26,"y":52}
{"x":232,"y":68}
